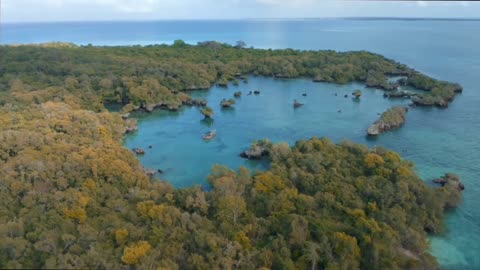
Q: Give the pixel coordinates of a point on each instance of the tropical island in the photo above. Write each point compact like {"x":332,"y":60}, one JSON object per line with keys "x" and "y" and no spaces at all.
{"x":73,"y":197}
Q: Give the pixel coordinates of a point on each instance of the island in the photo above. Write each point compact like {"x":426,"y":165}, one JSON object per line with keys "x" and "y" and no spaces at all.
{"x":207,"y":112}
{"x":227,"y":103}
{"x":392,"y":119}
{"x":73,"y":197}
{"x":357,"y":93}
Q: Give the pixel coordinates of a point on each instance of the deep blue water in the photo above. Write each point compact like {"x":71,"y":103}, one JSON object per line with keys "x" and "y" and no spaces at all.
{"x":436,"y":140}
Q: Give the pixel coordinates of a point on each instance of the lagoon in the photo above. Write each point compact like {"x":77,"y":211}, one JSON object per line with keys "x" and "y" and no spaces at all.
{"x":186,"y":159}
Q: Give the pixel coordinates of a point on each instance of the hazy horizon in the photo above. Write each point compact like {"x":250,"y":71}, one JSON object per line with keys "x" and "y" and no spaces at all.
{"x":30,"y":11}
{"x":253,"y":19}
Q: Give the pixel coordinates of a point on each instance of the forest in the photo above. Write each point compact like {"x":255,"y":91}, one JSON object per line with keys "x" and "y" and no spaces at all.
{"x":161,"y":75}
{"x":71,"y":196}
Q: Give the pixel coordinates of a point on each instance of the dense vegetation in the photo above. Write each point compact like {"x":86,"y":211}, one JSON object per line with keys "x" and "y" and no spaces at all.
{"x":156,"y":76}
{"x":71,"y":196}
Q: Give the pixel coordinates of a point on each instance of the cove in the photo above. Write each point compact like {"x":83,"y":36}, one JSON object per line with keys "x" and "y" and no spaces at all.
{"x":186,"y":159}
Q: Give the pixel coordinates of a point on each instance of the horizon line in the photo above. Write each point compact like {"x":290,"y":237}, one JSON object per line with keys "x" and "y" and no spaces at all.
{"x":255,"y":19}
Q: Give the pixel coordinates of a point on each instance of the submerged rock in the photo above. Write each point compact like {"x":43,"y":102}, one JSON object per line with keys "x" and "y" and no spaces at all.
{"x":237,"y":94}
{"x":391,"y":119}
{"x":256,"y":92}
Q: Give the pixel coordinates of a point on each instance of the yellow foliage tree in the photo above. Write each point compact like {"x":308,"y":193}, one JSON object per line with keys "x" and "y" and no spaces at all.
{"x":121,"y":236}
{"x":132,"y":254}
{"x":268,"y":182}
{"x":78,"y":214}
{"x":90,"y":185}
{"x":373,"y":160}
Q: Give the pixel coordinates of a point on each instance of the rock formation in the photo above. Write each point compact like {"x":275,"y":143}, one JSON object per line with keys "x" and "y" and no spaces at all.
{"x":389,"y":120}
{"x":297,"y":104}
{"x":227,"y":103}
{"x":138,"y":151}
{"x":258,"y":150}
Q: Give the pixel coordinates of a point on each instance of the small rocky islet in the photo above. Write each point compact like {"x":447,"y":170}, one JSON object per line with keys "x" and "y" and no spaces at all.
{"x":392,"y":119}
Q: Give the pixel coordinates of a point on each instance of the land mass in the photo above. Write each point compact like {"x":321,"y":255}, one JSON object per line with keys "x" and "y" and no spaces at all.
{"x":71,"y":196}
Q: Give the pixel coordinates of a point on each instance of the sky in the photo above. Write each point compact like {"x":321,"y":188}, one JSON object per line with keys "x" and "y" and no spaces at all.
{"x":113,"y":10}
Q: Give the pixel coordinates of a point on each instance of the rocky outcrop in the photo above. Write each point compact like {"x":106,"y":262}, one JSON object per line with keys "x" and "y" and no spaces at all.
{"x":258,"y":150}
{"x":223,"y":84}
{"x":399,"y":94}
{"x":237,"y":94}
{"x":130,"y":130}
{"x":153,"y":106}
{"x":204,"y":86}
{"x":200,"y":102}
{"x":451,"y":189}
{"x":357,"y":93}
{"x":430,"y":100}
{"x":449,"y":179}
{"x":138,"y":151}
{"x":297,"y":104}
{"x":387,"y":86}
{"x":151,"y":173}
{"x":227,"y":103}
{"x":207,"y":112}
{"x":131,"y":126}
{"x":392,"y":119}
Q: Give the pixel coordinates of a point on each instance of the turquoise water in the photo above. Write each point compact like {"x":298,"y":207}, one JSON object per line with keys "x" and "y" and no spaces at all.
{"x":176,"y":137}
{"x":436,"y":140}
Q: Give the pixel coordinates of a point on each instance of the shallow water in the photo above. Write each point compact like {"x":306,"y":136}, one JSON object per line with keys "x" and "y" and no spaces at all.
{"x":436,"y":140}
{"x":179,"y":150}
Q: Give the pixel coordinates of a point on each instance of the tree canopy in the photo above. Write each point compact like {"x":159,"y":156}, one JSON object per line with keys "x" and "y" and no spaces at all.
{"x":71,"y":196}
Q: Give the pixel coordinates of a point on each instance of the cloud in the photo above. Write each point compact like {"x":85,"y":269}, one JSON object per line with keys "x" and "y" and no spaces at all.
{"x":289,"y":3}
{"x":85,"y":10}
{"x":422,"y":3}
